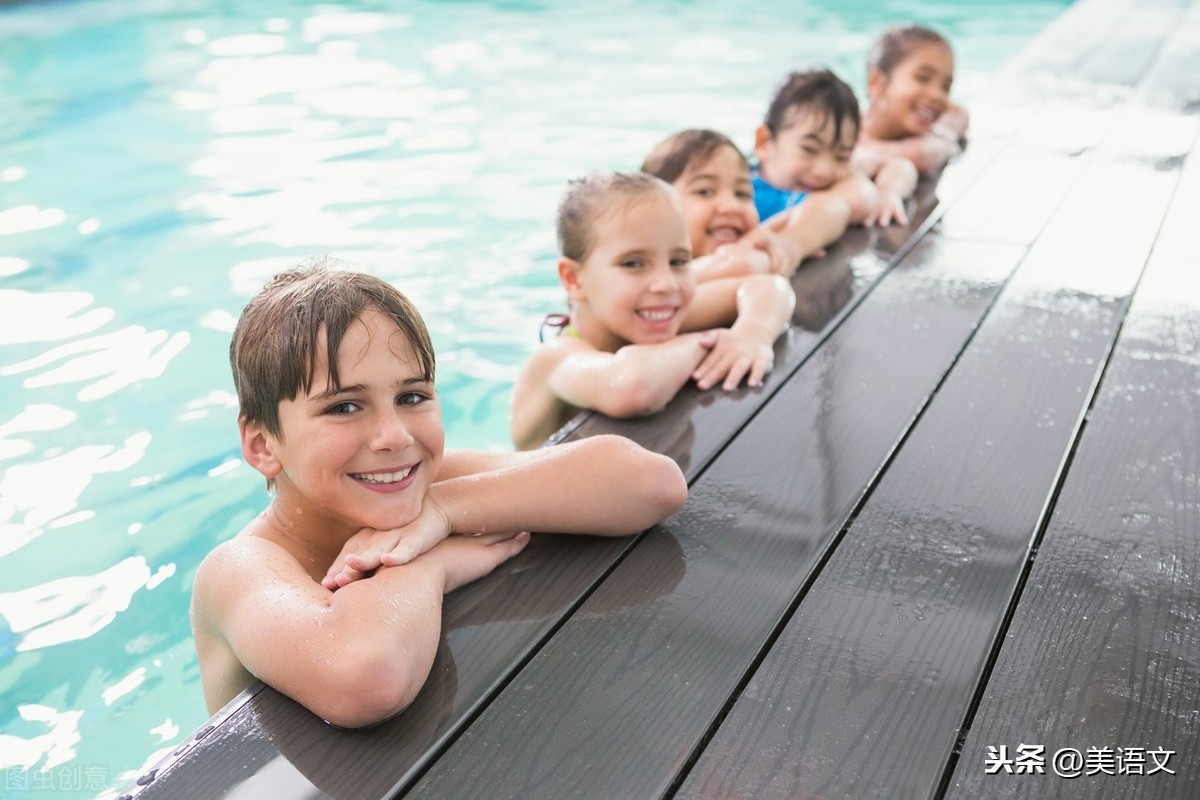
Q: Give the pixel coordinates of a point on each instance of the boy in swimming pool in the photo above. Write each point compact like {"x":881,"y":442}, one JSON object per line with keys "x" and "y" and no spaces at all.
{"x":639,"y":326}
{"x":714,"y":181}
{"x":333,"y":594}
{"x":909,"y":73}
{"x":805,"y":147}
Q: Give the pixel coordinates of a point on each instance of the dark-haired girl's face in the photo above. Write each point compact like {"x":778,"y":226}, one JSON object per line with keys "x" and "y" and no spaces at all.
{"x":909,"y":100}
{"x":718,"y":200}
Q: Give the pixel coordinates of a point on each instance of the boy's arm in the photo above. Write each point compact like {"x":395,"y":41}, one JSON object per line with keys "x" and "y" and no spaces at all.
{"x":804,"y":230}
{"x":353,"y":657}
{"x":603,"y":485}
{"x":859,"y":193}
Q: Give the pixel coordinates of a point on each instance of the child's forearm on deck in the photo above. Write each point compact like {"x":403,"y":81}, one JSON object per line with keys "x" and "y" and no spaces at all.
{"x":765,"y":304}
{"x":897,"y":177}
{"x":604,"y":485}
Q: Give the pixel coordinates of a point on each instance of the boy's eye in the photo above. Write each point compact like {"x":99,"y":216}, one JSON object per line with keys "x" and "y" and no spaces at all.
{"x":704,"y":192}
{"x":631,"y":263}
{"x":745,"y":194}
{"x":342,"y":408}
{"x":679,"y":262}
{"x":411,"y":398}
{"x":810,"y":150}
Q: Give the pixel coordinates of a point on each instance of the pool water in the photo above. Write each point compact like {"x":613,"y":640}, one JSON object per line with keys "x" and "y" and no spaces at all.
{"x":158,"y":161}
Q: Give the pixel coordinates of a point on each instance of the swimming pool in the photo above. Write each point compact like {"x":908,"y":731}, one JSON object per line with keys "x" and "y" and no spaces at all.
{"x":159,"y":160}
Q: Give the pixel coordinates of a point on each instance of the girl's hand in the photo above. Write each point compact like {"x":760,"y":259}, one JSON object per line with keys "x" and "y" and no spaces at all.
{"x":370,"y":549}
{"x":782,"y":254}
{"x":889,"y":210}
{"x":733,"y":357}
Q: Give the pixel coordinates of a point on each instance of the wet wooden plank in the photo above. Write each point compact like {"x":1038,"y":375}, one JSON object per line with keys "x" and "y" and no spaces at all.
{"x":1103,"y":650}
{"x":615,"y":703}
{"x":865,"y":690}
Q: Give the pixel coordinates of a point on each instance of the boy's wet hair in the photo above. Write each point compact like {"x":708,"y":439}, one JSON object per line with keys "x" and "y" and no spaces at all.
{"x":896,"y":43}
{"x":816,"y":90}
{"x":671,"y":157}
{"x":587,"y":198}
{"x":275,"y":344}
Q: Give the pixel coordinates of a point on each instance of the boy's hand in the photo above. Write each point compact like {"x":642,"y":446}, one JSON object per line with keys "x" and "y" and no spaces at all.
{"x":467,"y":558}
{"x":731,"y":358}
{"x":370,"y":549}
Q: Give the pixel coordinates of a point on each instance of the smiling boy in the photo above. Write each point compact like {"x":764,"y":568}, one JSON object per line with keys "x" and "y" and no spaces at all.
{"x":333,"y":594}
{"x":806,"y":146}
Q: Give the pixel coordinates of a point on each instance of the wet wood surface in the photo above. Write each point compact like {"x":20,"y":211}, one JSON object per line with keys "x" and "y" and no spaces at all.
{"x":920,"y":538}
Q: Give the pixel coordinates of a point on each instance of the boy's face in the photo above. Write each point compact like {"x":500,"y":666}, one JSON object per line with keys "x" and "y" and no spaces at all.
{"x":803,"y":155}
{"x":364,"y":455}
{"x":718,"y":200}
{"x":637,"y":281}
{"x":916,"y":92}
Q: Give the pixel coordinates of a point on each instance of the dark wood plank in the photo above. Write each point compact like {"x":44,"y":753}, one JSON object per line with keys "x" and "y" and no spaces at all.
{"x":865,"y":689}
{"x":1103,"y":650}
{"x":614,"y":704}
{"x":863,"y":693}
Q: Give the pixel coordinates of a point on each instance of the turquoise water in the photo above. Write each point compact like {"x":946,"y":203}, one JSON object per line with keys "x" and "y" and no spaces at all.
{"x":159,"y":160}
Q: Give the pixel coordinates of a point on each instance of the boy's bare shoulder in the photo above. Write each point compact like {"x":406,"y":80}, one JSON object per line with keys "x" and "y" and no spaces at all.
{"x":236,"y":568}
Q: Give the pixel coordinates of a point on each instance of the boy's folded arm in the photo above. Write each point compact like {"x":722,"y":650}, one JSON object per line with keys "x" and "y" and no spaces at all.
{"x":860,"y":195}
{"x":636,"y":380}
{"x":353,"y":657}
{"x":603,"y":485}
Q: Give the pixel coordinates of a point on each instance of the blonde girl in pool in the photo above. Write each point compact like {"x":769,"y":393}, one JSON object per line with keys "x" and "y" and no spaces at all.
{"x":639,"y":327}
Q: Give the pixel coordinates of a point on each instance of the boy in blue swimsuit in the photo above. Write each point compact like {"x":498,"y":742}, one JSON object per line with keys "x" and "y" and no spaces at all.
{"x":806,"y":146}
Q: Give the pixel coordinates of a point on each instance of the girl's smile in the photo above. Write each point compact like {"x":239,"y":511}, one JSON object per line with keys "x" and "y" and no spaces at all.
{"x":718,"y":201}
{"x":909,"y":100}
{"x":635,"y":284}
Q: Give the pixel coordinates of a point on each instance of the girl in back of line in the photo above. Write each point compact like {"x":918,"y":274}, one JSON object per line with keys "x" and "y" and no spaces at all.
{"x":910,"y":70}
{"x":639,"y":326}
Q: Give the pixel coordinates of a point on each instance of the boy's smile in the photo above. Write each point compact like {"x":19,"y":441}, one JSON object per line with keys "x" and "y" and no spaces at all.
{"x":803,"y":155}
{"x":916,"y":92}
{"x":363,"y":454}
{"x":718,"y":200}
{"x":636,"y":283}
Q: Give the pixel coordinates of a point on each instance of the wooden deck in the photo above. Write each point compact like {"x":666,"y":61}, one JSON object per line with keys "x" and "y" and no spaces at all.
{"x":963,"y":514}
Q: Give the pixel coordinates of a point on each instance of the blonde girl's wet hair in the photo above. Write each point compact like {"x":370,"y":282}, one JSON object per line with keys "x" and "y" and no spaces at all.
{"x":274,"y":349}
{"x":896,"y":43}
{"x":590,"y":197}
